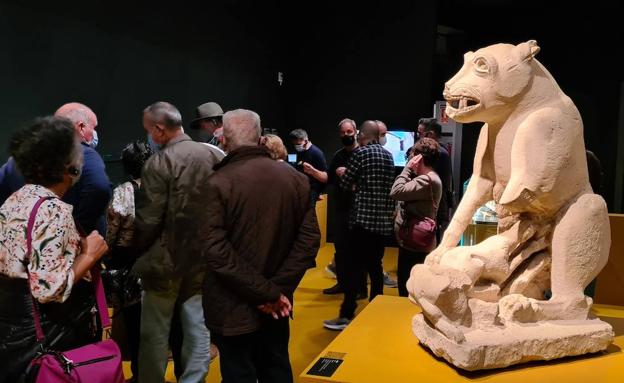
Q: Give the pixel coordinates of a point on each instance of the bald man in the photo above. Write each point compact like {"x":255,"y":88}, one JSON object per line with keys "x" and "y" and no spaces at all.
{"x":167,"y":215}
{"x":90,"y":196}
{"x":370,"y":174}
{"x":84,"y":120}
{"x":383,"y":130}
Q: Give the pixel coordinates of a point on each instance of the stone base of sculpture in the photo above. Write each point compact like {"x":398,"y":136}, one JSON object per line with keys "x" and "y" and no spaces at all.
{"x":502,"y":346}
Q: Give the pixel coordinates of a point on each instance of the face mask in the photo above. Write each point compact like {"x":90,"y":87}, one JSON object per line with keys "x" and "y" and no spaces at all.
{"x":94,"y":141}
{"x":382,"y":140}
{"x":214,"y":141}
{"x":300,"y":148}
{"x":155,"y":147}
{"x":347,"y":140}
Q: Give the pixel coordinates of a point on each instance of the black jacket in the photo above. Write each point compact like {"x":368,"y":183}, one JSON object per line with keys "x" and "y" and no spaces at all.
{"x":259,"y":238}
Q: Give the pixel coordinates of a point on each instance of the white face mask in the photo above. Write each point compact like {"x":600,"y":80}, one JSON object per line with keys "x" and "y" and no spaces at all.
{"x":300,"y":148}
{"x":94,"y":140}
{"x":382,"y":140}
{"x":214,"y":140}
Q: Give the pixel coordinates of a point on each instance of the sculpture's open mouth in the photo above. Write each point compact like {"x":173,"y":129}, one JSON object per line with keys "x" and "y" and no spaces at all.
{"x":461,"y":104}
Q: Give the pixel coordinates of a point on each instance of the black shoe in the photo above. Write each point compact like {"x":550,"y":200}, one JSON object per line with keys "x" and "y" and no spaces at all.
{"x":361,"y":296}
{"x":335,"y":289}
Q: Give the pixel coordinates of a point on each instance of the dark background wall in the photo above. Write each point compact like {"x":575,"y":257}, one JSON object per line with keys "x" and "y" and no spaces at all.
{"x":580,"y":46}
{"x":337,"y":61}
{"x":370,"y":61}
{"x":381,"y":60}
{"x":120,"y":57}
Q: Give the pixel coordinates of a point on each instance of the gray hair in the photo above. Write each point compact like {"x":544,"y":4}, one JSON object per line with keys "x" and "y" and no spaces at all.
{"x":345,"y":120}
{"x":241,"y":127}
{"x":164,"y":113}
{"x":298,"y":134}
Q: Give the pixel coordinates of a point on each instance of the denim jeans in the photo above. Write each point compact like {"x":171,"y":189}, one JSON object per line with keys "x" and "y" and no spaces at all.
{"x":156,"y":314}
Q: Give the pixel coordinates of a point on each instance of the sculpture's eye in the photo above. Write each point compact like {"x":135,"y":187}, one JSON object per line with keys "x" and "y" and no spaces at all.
{"x":481,"y":65}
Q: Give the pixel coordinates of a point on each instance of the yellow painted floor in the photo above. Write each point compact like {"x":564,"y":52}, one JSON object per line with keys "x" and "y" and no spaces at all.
{"x":307,"y":335}
{"x":394,"y":355}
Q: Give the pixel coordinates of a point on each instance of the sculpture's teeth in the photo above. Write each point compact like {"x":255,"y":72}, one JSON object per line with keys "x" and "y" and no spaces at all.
{"x":463,"y":103}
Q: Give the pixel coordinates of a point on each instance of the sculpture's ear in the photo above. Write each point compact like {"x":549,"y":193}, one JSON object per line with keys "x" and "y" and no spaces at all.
{"x":528,"y":50}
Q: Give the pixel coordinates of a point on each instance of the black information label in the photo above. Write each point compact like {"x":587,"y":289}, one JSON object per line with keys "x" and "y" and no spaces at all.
{"x":325,"y":367}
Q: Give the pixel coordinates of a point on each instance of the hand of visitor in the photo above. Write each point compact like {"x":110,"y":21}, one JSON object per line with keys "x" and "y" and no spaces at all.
{"x":308,"y":169}
{"x":341,"y":171}
{"x":94,"y":246}
{"x":414,"y":163}
{"x":277,"y":309}
{"x":285,"y":305}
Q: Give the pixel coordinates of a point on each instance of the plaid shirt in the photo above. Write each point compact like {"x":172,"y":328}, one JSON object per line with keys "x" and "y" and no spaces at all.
{"x":371,"y":170}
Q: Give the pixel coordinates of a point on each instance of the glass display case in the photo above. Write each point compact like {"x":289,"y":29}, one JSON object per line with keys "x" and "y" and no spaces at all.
{"x":484,"y":224}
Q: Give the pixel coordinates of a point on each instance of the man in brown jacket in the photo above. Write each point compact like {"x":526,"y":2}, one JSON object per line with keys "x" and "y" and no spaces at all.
{"x":259,"y":238}
{"x":167,"y":209}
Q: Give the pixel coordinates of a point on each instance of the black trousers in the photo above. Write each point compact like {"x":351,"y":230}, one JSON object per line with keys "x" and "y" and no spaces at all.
{"x":261,"y":356}
{"x":341,"y":244}
{"x":175,"y":342}
{"x":364,"y":257}
{"x":132,"y":320}
{"x":407,"y":260}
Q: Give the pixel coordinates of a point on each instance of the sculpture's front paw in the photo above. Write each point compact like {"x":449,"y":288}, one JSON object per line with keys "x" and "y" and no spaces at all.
{"x":518,"y":308}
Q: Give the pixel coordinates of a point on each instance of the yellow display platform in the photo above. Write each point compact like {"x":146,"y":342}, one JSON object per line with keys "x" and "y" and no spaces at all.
{"x":379,"y":347}
{"x":610,"y":282}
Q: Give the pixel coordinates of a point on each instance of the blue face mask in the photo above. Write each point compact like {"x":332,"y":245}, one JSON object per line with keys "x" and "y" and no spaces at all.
{"x":94,"y":140}
{"x":155,"y":147}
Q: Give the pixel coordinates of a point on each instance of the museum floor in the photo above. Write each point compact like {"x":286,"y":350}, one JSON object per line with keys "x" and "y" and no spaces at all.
{"x":308,"y":337}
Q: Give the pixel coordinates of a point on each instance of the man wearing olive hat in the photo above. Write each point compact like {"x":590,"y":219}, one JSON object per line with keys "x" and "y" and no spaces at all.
{"x":209,"y":121}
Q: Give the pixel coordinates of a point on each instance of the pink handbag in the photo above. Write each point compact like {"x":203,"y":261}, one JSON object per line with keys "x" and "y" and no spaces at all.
{"x":99,"y":362}
{"x":418,"y":233}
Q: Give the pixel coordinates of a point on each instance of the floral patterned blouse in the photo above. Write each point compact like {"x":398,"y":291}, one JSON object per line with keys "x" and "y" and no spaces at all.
{"x":120,"y":216}
{"x":55,"y":243}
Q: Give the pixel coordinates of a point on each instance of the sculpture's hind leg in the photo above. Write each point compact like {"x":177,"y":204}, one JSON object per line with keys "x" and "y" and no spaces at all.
{"x":580,"y":249}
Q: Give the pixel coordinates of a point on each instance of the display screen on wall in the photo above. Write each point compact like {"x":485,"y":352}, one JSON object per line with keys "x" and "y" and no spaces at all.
{"x":397,"y":143}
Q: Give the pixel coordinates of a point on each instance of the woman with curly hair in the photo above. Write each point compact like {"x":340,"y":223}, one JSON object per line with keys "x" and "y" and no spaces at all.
{"x":275,"y":146}
{"x":418,"y":189}
{"x":44,"y":264}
